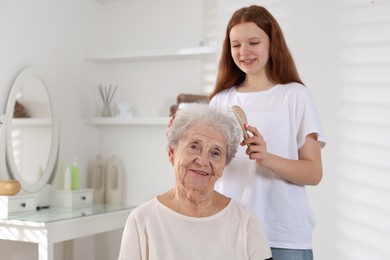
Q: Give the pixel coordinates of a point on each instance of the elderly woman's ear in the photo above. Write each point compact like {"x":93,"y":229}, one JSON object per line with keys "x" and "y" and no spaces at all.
{"x":170,"y":154}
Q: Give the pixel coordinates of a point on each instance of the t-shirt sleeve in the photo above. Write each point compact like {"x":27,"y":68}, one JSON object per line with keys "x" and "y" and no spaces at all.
{"x":308,"y":120}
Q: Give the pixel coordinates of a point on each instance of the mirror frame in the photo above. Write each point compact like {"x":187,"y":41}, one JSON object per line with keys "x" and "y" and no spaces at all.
{"x":48,"y":171}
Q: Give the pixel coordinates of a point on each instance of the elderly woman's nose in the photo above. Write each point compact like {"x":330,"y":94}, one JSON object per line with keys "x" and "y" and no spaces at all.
{"x":202,"y":159}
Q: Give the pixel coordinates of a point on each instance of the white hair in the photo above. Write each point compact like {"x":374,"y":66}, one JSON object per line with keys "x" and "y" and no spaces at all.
{"x":218,"y":118}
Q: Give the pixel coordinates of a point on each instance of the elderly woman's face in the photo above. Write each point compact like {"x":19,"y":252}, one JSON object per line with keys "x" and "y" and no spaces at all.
{"x":199,"y":158}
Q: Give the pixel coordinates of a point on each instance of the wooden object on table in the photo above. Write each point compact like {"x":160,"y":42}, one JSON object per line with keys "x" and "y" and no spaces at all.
{"x":188,"y":98}
{"x":9,"y":187}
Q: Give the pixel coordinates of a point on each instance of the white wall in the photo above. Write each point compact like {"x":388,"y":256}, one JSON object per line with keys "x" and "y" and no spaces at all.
{"x":341,"y":48}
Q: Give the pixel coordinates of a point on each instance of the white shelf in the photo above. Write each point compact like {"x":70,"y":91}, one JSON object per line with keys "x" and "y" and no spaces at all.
{"x":107,"y":121}
{"x":106,"y":1}
{"x":36,"y":121}
{"x":183,"y":53}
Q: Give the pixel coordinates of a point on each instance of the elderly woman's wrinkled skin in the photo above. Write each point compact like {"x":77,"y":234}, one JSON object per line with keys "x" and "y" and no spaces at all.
{"x":199,"y":160}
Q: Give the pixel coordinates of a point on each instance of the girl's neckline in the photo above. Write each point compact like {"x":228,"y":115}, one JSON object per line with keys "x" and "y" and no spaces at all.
{"x":265,"y":91}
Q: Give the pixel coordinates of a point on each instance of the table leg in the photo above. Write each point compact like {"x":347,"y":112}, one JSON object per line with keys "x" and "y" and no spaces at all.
{"x":68,"y":247}
{"x":45,"y":250}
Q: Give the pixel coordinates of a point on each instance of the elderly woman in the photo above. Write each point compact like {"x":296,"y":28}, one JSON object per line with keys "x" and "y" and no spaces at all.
{"x":192,"y":221}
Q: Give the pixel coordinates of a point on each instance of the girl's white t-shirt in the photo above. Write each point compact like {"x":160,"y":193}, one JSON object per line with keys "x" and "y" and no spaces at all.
{"x":284,"y":116}
{"x":155,"y":232}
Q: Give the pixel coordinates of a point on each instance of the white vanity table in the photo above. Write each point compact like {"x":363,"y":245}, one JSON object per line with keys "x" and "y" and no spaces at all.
{"x":49,"y":226}
{"x":33,"y":168}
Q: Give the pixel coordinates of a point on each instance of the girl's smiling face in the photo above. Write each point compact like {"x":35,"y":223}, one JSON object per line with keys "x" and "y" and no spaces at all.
{"x":199,"y":158}
{"x":249,"y":48}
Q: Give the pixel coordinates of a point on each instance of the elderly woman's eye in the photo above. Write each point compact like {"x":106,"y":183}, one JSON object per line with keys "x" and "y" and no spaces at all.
{"x":216,"y":153}
{"x":194,"y":147}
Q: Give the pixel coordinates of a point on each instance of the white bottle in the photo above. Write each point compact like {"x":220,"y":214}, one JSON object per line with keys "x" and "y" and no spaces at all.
{"x":99,"y":181}
{"x":114,"y":182}
{"x":67,"y":178}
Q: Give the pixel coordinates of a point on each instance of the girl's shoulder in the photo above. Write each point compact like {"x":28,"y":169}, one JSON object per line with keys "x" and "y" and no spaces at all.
{"x":294,"y":86}
{"x":223,"y":95}
{"x":227,"y":91}
{"x":293,"y":89}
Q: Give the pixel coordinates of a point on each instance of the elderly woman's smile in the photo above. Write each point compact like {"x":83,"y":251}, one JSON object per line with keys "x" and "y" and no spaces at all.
{"x":200,"y":172}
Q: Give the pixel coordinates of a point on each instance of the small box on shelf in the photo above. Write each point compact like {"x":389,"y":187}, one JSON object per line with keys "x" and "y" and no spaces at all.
{"x":17,"y":204}
{"x":72,"y":198}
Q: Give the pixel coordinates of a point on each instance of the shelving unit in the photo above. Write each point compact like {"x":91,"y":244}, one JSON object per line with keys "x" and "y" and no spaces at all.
{"x":206,"y":52}
{"x":131,"y":121}
{"x":151,"y":55}
{"x":37,"y":121}
{"x":106,"y":1}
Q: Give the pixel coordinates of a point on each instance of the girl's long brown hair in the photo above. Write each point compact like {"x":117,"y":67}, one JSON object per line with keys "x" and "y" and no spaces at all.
{"x":280,"y":67}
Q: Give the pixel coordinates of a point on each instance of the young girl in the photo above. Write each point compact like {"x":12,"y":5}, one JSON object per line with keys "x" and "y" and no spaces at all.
{"x":283,"y":151}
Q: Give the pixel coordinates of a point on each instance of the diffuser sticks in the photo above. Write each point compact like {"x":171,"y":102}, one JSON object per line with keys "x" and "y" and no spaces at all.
{"x":106,"y":93}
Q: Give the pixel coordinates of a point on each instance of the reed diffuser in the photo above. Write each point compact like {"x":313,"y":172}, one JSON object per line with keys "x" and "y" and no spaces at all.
{"x":106,"y":93}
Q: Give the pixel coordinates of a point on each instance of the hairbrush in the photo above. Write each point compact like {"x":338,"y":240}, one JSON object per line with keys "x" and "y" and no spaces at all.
{"x":241,"y":118}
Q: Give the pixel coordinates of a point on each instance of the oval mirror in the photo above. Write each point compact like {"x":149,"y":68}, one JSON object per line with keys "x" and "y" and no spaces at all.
{"x":31,"y":131}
